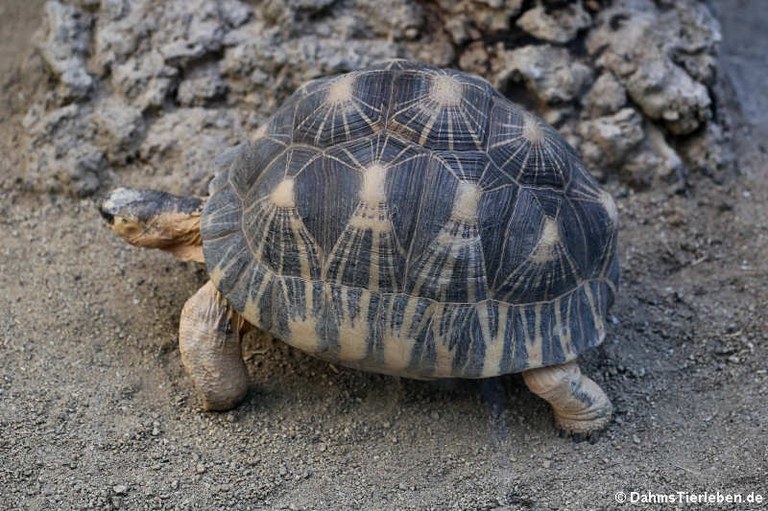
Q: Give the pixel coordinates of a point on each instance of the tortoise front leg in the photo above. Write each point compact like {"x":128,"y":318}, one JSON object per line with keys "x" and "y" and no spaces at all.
{"x":209,"y":340}
{"x":580,"y":405}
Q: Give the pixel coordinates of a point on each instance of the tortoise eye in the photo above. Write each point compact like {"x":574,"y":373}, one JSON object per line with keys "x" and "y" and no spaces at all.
{"x":129,"y":228}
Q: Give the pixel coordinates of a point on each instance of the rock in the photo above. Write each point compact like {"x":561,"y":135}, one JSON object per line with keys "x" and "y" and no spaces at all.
{"x":188,"y":37}
{"x":59,"y":121}
{"x":64,"y":48}
{"x":634,"y":43}
{"x":163,"y":87}
{"x":558,"y":25}
{"x":185,"y":144}
{"x":329,"y":56}
{"x":606,"y":96}
{"x":475,"y":59}
{"x":670,"y":166}
{"x":708,"y":151}
{"x":202,"y":85}
{"x":696,"y":47}
{"x":145,"y":80}
{"x":74,"y":169}
{"x":62,"y":157}
{"x":666,"y":93}
{"x":120,"y":130}
{"x":655,"y":164}
{"x":606,"y":141}
{"x":483,"y":16}
{"x":548,"y":72}
{"x":120,"y":28}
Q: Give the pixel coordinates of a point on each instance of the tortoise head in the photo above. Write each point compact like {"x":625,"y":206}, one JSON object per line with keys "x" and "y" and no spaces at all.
{"x":153,"y":219}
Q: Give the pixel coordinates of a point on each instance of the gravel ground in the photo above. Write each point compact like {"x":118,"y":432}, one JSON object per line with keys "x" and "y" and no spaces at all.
{"x":95,"y":411}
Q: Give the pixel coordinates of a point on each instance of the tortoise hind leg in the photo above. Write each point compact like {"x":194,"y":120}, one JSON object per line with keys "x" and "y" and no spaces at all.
{"x":581,"y":407}
{"x":209,"y":341}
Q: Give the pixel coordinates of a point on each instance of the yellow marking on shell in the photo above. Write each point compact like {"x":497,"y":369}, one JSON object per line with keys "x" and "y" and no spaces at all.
{"x":563,"y":331}
{"x":297,"y":226}
{"x":216,"y":274}
{"x":610,"y":206}
{"x":251,"y":311}
{"x":465,"y":205}
{"x":598,"y":318}
{"x":466,"y":202}
{"x":341,"y":90}
{"x":372,"y":194}
{"x":494,"y":344}
{"x":259,"y":133}
{"x":443,"y":354}
{"x":534,"y":346}
{"x":353,"y":333}
{"x":545,"y":248}
{"x":446,"y":91}
{"x":398,"y":346}
{"x":282,"y":196}
{"x":532,"y":131}
{"x":374,"y":180}
{"x":303,"y":332}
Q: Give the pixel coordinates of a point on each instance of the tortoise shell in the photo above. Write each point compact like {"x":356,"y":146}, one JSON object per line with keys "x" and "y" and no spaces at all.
{"x":410,"y":220}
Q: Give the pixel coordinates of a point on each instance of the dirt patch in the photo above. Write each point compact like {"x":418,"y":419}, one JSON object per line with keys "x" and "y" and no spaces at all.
{"x":95,"y":411}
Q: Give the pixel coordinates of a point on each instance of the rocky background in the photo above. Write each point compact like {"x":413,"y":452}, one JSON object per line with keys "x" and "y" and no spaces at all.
{"x":165,"y":86}
{"x":95,"y":409}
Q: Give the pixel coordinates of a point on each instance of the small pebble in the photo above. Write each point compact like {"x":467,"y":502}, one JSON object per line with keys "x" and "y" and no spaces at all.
{"x":636,"y":439}
{"x":120,"y":489}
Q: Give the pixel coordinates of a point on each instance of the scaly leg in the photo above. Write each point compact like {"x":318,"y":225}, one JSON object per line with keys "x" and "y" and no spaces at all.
{"x":580,"y":405}
{"x":209,"y":340}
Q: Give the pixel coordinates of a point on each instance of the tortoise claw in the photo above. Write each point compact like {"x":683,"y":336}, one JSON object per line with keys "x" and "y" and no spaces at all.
{"x":577,"y":437}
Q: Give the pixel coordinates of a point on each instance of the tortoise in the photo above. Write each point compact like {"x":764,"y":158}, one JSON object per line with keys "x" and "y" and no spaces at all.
{"x":401,"y":219}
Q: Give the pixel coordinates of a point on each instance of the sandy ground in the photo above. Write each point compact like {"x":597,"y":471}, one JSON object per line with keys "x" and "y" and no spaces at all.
{"x":95,"y":411}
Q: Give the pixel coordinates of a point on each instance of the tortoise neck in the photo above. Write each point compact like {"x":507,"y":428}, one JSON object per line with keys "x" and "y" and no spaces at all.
{"x":188,"y":243}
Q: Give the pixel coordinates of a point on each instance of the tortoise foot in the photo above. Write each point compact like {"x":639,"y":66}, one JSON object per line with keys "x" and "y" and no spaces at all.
{"x":209,"y":340}
{"x":581,"y":408}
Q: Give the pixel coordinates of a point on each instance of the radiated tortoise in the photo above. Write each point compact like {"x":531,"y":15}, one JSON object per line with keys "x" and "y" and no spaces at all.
{"x":400,"y":219}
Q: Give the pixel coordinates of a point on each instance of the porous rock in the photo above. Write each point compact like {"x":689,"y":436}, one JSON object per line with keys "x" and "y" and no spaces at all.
{"x":606,"y":96}
{"x":635,"y":44}
{"x":548,"y":71}
{"x":558,"y":25}
{"x":606,"y":141}
{"x":467,"y":20}
{"x":63,"y":44}
{"x":144,"y":80}
{"x":120,"y":129}
{"x":183,"y":144}
{"x":162,"y":87}
{"x":202,"y":86}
